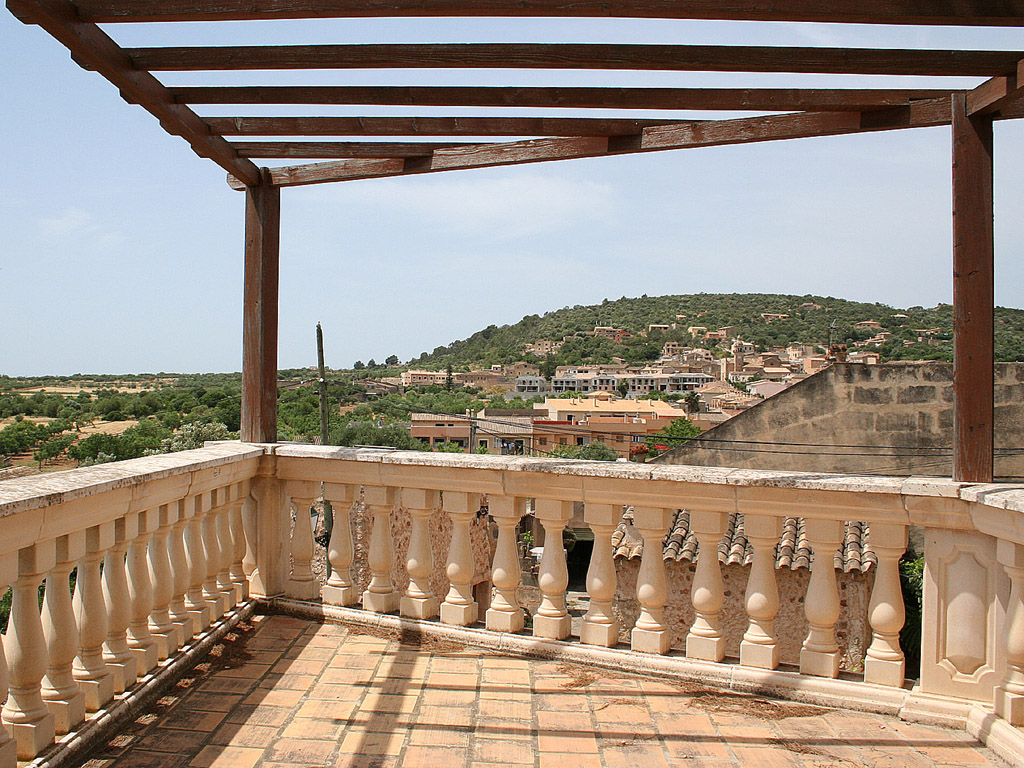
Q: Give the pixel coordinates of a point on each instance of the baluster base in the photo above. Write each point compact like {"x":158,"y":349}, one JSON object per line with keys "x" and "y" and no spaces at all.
{"x":124,"y":673}
{"x":552,"y":627}
{"x":418,"y":607}
{"x":146,"y":658}
{"x":67,"y":713}
{"x":884,"y":672}
{"x":167,"y":643}
{"x":1010,"y":706}
{"x":504,"y":621}
{"x":339,"y":595}
{"x":380,"y":602}
{"x":459,"y":615}
{"x":303,"y":590}
{"x":218,"y":605}
{"x":705,"y":648}
{"x":241,"y":591}
{"x":650,"y":640}
{"x":758,"y":655}
{"x":819,"y":663}
{"x":97,"y":692}
{"x":605,"y":635}
{"x":200,"y":619}
{"x":32,"y":738}
{"x":8,"y":753}
{"x":186,"y":629}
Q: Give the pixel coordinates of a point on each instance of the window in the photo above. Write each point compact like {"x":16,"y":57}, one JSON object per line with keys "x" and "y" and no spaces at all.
{"x":579,"y":441}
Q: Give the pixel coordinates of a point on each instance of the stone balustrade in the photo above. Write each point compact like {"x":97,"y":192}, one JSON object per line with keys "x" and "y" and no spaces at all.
{"x":185,"y":538}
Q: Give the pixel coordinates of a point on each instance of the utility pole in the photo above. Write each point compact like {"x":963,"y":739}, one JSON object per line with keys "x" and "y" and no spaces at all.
{"x":324,"y":437}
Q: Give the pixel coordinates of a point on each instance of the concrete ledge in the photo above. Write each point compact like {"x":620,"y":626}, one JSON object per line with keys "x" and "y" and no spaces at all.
{"x":97,"y":728}
{"x":996,"y":734}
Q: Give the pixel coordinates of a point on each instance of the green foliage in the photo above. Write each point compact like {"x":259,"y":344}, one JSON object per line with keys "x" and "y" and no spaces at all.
{"x":595,"y":451}
{"x":367,"y":433}
{"x":194,"y":435}
{"x":52,"y":448}
{"x":912,"y":584}
{"x":504,"y":344}
{"x":675,"y":434}
{"x":145,"y":437}
{"x":448,"y":447}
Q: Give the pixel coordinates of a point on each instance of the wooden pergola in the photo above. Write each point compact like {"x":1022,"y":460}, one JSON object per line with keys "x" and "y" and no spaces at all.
{"x":228,"y":141}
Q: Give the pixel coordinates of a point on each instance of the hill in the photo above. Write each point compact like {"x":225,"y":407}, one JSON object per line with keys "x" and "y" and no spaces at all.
{"x":808,"y":319}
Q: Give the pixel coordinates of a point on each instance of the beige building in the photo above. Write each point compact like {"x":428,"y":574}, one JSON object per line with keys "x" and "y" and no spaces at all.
{"x":575,"y":410}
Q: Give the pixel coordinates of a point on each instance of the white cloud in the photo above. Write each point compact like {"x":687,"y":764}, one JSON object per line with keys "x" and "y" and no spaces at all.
{"x":80,"y":225}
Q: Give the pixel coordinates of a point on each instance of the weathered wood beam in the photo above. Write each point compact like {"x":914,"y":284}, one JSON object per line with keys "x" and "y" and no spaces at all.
{"x":973,"y":295}
{"x":752,"y":99}
{"x":655,"y":138}
{"x":93,"y":49}
{"x":426,"y":126}
{"x":259,"y":311}
{"x":691,"y":58}
{"x":337,"y":149}
{"x":950,"y":12}
{"x":998,"y":95}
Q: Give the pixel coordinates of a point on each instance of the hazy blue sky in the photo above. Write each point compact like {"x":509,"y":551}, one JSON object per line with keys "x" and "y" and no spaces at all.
{"x":121,"y":251}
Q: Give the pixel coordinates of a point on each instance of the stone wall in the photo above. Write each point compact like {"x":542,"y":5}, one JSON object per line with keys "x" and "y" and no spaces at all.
{"x":852,"y":630}
{"x":887,"y":406}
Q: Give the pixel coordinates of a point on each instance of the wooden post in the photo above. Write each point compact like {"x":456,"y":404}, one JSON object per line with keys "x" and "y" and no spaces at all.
{"x":259,"y":318}
{"x":973,"y":296}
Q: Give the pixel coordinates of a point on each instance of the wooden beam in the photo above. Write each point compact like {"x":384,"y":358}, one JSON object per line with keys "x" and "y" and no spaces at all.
{"x":746,"y":99}
{"x":259,"y":315}
{"x":337,"y":149}
{"x":998,"y":94}
{"x":973,"y":296}
{"x":427,"y":126}
{"x":93,"y":49}
{"x":674,"y":136}
{"x":691,"y":58}
{"x":948,"y":12}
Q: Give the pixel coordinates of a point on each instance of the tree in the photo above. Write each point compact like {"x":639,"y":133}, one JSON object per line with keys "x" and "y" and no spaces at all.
{"x":391,"y":360}
{"x":372,"y":363}
{"x":675,"y":434}
{"x":692,"y":400}
{"x":358,"y":366}
{"x":623,"y":388}
{"x":595,"y":451}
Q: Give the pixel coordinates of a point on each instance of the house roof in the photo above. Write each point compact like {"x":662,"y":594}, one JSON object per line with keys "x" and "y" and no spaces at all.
{"x":792,"y":551}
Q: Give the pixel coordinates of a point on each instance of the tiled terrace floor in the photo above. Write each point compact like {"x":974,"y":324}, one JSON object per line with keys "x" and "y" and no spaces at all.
{"x":287,"y":693}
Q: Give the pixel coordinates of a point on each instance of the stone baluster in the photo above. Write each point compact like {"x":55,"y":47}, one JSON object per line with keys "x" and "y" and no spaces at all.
{"x":24,"y":713}
{"x":140,"y":592}
{"x":250,"y":532}
{"x":119,"y":657}
{"x":161,"y":626}
{"x":8,"y":747}
{"x":211,"y":554}
{"x":552,"y":619}
{"x":184,"y":621}
{"x":651,"y":633}
{"x":195,"y":553}
{"x":341,"y":588}
{"x":89,"y":669}
{"x":705,"y":640}
{"x":459,"y":607}
{"x":419,"y":600}
{"x":224,"y":544}
{"x":380,"y":596}
{"x":1009,"y":694}
{"x":301,"y":584}
{"x":884,"y":663}
{"x":760,"y":645}
{"x":236,"y":526}
{"x":820,"y":652}
{"x":600,"y":626}
{"x":60,"y":691}
{"x":504,"y":614}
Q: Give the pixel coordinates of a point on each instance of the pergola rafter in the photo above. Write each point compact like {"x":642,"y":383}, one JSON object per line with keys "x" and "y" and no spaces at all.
{"x":379,"y":146}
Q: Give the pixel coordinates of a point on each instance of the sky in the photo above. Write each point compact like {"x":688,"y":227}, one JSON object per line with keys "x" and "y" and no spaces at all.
{"x":121,"y":251}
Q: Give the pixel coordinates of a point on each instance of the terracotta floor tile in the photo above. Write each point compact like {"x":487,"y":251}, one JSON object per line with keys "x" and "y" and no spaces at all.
{"x":567,"y":741}
{"x":313,"y":730}
{"x":569,"y":760}
{"x":288,"y":682}
{"x":299,"y":667}
{"x":505,"y":751}
{"x":345,"y":760}
{"x":566,"y":721}
{"x":439,"y":736}
{"x":193,"y":720}
{"x":213,"y":702}
{"x":227,"y":757}
{"x":452,"y":716}
{"x":241,"y":735}
{"x":301,"y":751}
{"x":514,"y":710}
{"x":170,"y":740}
{"x":259,"y":715}
{"x":248,"y":671}
{"x":139,"y":758}
{"x":274,"y":698}
{"x":336,"y":692}
{"x":435,"y":757}
{"x":768,"y":758}
{"x":319,"y":709}
{"x":370,"y":743}
{"x":633,"y":756}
